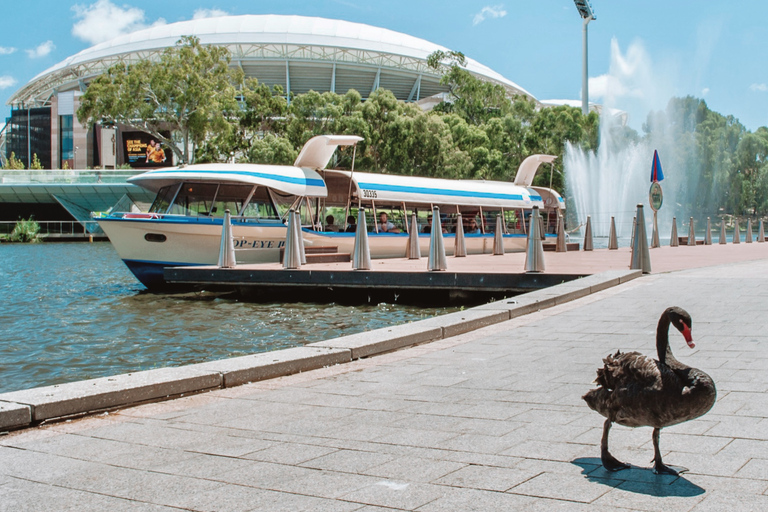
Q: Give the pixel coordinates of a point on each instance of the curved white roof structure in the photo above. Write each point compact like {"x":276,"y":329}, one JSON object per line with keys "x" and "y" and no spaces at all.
{"x":300,"y":53}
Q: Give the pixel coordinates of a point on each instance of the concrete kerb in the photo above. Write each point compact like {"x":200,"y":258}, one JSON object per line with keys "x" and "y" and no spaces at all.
{"x":243,"y":370}
{"x":19,"y":409}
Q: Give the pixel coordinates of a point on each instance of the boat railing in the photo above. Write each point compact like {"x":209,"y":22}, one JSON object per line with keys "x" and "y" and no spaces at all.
{"x":57,"y":228}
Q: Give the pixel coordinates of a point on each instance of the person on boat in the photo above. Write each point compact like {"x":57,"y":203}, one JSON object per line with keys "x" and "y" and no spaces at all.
{"x":351,"y":224}
{"x":385,"y":225}
{"x":473,"y":228}
{"x":329,"y":224}
{"x":428,"y":227}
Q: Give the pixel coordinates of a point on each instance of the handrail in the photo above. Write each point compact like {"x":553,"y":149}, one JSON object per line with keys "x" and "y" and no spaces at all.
{"x":53,"y":227}
{"x":59,"y":176}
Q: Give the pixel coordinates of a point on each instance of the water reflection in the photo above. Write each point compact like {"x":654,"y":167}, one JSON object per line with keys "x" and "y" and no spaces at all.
{"x":73,"y":311}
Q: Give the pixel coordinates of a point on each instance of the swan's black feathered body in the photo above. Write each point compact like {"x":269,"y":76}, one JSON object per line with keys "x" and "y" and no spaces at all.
{"x":637,"y":391}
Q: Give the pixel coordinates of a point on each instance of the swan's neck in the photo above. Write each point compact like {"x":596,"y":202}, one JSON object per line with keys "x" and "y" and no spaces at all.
{"x":662,"y":342}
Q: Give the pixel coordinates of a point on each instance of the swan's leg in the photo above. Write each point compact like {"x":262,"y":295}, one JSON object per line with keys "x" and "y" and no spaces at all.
{"x":609,"y":461}
{"x":658,"y":465}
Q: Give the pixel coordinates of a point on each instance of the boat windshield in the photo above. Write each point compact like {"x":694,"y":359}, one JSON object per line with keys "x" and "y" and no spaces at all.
{"x":212,"y":200}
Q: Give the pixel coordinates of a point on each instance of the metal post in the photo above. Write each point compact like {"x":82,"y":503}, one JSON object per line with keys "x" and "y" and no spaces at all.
{"x":560,"y":246}
{"x":300,"y":239}
{"x":460,"y":246}
{"x":641,"y":256}
{"x":736,"y":232}
{"x":362,"y":253}
{"x":613,"y":241}
{"x":587,"y":235}
{"x":655,"y":243}
{"x":291,"y":256}
{"x":437,"y":259}
{"x":673,"y":238}
{"x":414,"y":251}
{"x":749,"y":231}
{"x":585,"y":70}
{"x":761,"y":233}
{"x":722,"y":233}
{"x":534,"y":253}
{"x":691,"y":233}
{"x":227,"y":247}
{"x":498,"y":238}
{"x":708,"y":234}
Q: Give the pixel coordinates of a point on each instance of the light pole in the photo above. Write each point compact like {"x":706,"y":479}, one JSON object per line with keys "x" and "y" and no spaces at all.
{"x":587,"y":14}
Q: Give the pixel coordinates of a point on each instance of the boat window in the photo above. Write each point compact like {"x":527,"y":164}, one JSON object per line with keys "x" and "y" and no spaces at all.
{"x":230,"y":197}
{"x":194,"y":199}
{"x":163,"y":199}
{"x":512,"y":220}
{"x":260,"y":206}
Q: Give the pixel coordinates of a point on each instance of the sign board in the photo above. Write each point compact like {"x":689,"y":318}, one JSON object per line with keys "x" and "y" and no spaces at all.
{"x":655,"y":197}
{"x":144,"y":150}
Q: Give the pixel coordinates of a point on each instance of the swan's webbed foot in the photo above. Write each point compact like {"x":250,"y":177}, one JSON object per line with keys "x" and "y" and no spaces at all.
{"x":661,"y":469}
{"x":611,"y":463}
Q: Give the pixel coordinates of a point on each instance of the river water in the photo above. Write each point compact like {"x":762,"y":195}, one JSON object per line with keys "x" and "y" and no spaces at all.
{"x":73,"y":311}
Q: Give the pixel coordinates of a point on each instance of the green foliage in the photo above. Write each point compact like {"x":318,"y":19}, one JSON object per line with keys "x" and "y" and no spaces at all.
{"x":36,"y":165}
{"x":26,"y":231}
{"x":13,"y":163}
{"x":190,"y":91}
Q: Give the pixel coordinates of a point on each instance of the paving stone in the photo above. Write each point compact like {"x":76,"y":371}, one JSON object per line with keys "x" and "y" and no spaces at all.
{"x":13,"y":415}
{"x":486,"y":477}
{"x":563,"y":487}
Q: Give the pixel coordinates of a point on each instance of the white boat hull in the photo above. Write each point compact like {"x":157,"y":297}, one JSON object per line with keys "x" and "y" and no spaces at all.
{"x":147,"y":245}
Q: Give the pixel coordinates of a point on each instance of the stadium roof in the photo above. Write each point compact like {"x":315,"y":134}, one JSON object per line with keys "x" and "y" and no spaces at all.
{"x":300,"y":53}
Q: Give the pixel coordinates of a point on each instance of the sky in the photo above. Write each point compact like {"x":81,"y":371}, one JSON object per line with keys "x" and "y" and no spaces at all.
{"x":641,"y":53}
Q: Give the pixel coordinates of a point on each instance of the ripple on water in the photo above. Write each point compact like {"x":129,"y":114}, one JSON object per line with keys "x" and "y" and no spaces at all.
{"x":73,"y":311}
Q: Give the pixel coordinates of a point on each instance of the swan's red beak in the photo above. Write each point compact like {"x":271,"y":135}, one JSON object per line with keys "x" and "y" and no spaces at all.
{"x":687,"y":336}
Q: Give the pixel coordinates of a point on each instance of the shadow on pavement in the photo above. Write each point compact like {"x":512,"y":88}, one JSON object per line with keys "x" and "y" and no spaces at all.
{"x":637,"y":480}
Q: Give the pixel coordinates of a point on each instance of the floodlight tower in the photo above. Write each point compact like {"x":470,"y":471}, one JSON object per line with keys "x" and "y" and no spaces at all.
{"x":587,"y":14}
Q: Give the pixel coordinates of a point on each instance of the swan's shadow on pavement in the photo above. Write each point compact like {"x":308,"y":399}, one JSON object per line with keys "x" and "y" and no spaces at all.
{"x":637,"y":480}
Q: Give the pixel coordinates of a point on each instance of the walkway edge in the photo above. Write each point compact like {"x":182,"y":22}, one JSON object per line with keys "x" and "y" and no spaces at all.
{"x":20,"y":409}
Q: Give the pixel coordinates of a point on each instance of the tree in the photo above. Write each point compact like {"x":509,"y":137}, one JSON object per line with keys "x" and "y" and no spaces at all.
{"x":189,"y":92}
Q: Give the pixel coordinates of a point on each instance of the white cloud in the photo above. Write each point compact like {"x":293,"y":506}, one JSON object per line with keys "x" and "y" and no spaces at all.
{"x":704,"y":91}
{"x":6,"y":50}
{"x":489,"y":11}
{"x":7,"y":81}
{"x":208,"y":13}
{"x":41,"y":50}
{"x":103,"y":20}
{"x":759,"y":87}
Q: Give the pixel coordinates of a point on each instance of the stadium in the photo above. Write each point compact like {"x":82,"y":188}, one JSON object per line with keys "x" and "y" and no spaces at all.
{"x":298,"y":53}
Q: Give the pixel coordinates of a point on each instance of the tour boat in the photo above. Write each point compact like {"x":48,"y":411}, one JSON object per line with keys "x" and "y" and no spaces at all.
{"x":184,"y":224}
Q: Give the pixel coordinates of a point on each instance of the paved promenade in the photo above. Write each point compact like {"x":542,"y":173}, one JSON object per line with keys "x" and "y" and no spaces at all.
{"x":488,"y":420}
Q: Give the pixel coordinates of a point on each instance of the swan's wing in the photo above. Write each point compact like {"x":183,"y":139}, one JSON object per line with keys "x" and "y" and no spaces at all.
{"x":631,"y":369}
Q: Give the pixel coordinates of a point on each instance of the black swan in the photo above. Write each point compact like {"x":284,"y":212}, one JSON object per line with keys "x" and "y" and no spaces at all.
{"x":637,"y":391}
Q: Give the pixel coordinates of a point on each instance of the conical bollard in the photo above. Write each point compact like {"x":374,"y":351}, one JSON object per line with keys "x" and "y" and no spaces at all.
{"x":708,"y":234}
{"x":414,"y":251}
{"x":736,"y":232}
{"x":534,"y":253}
{"x":761,"y":233}
{"x":749,"y":231}
{"x":437,"y":259}
{"x":459,"y":245}
{"x":722,"y":233}
{"x":227,"y":247}
{"x":691,"y":233}
{"x":291,"y":257}
{"x":498,"y":236}
{"x":641,"y":256}
{"x":300,"y":239}
{"x":634,"y":232}
{"x":613,"y":240}
{"x":655,"y":243}
{"x":588,"y":235}
{"x":361,"y":259}
{"x":561,"y":245}
{"x":673,"y":239}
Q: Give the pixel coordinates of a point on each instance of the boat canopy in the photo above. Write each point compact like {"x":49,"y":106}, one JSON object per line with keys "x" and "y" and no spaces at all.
{"x":528,"y":168}
{"x":283,"y":178}
{"x":317,"y":152}
{"x":388,"y":188}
